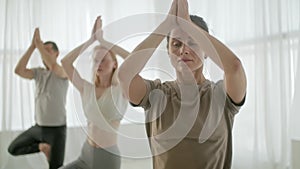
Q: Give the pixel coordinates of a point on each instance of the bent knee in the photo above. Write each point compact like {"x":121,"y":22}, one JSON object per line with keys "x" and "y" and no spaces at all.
{"x":12,"y":150}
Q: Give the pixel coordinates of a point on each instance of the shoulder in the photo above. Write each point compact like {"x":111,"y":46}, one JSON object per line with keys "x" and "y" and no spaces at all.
{"x":87,"y":86}
{"x":158,"y":84}
{"x":38,"y":72}
{"x":88,"y":91}
{"x":233,"y":107}
{"x":167,"y":87}
{"x":208,"y":84}
{"x":39,"y":69}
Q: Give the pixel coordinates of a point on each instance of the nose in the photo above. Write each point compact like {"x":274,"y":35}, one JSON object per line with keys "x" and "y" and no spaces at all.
{"x":184,"y":50}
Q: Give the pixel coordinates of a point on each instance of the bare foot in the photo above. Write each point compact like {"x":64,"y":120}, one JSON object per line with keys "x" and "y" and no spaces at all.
{"x":45,"y":148}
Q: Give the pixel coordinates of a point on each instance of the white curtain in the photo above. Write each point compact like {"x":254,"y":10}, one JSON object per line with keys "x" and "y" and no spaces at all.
{"x":265,"y":34}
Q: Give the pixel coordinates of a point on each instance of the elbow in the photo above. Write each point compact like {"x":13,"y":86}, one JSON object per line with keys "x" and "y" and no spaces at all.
{"x":64,"y":63}
{"x":17,"y":71}
{"x":121,"y":75}
{"x":236,"y":66}
{"x":124,"y":76}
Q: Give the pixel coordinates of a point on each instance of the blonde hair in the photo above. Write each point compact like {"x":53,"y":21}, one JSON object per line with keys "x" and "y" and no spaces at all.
{"x":96,"y":78}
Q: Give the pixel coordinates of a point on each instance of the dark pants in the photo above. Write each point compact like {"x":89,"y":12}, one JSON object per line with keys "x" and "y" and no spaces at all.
{"x":28,"y":142}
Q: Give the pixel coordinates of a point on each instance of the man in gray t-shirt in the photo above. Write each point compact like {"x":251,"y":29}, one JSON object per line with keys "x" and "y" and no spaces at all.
{"x":48,"y":135}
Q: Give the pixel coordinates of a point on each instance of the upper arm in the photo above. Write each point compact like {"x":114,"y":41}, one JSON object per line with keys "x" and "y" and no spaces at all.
{"x":236,"y":82}
{"x":26,"y":73}
{"x":74,"y":77}
{"x":137,"y":89}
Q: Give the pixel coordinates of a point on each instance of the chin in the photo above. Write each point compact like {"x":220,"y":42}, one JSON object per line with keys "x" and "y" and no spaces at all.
{"x":98,"y":73}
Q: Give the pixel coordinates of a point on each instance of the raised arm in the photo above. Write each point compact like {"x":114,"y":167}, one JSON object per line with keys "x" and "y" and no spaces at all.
{"x":21,"y":68}
{"x":68,"y":60}
{"x":132,"y":83}
{"x":114,"y":48}
{"x":48,"y":58}
{"x":235,"y":78}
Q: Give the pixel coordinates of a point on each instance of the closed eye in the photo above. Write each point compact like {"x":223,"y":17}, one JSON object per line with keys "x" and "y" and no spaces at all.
{"x":191,"y":42}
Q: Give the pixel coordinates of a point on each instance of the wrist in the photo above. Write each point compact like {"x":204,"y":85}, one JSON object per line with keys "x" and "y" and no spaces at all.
{"x":103,"y":42}
{"x":90,"y":41}
{"x":163,"y":29}
{"x":32,"y":47}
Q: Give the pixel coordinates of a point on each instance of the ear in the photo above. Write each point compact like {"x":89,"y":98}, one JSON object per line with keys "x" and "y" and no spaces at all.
{"x":57,"y":54}
{"x":168,"y":48}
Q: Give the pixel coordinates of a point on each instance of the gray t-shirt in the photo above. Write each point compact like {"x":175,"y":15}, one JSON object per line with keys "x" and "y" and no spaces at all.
{"x":194,"y":132}
{"x":50,"y":98}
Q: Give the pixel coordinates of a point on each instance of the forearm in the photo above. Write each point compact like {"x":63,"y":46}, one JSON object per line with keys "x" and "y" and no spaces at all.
{"x":220,"y":54}
{"x":235,"y":77}
{"x":22,"y":64}
{"x":69,"y":59}
{"x":115,"y":49}
{"x":132,"y":84}
{"x":142,"y":53}
{"x":225,"y":58}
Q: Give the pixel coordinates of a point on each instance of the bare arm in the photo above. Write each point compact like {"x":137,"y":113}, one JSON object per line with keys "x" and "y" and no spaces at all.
{"x":115,"y":48}
{"x":67,"y":64}
{"x":235,"y":78}
{"x":21,"y":68}
{"x":132,"y":83}
{"x":49,"y":60}
{"x":68,"y":60}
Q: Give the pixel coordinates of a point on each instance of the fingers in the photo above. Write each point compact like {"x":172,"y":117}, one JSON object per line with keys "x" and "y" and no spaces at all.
{"x":173,"y":9}
{"x":94,"y":27}
{"x":99,"y":31}
{"x":37,"y":37}
{"x":37,"y":33}
{"x":97,"y":25}
{"x":33,"y":38}
{"x":99,"y":22}
{"x":183,"y":10}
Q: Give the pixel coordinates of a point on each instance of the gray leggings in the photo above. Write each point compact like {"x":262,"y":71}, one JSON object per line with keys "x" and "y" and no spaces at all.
{"x":96,"y":158}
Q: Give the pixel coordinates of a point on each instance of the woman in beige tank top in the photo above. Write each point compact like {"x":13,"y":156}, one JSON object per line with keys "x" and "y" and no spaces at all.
{"x":100,"y":150}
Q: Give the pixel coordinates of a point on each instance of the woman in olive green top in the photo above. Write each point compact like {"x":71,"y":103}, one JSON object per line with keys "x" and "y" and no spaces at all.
{"x":189,"y":120}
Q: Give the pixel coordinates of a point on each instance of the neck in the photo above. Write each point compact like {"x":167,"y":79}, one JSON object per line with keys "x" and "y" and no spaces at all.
{"x":198,"y":77}
{"x":105,"y":81}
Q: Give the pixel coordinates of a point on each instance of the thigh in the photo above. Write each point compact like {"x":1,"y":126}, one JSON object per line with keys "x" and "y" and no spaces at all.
{"x":107,"y":158}
{"x":83,"y":162}
{"x":78,"y":164}
{"x":27,"y":138}
{"x":56,"y":137}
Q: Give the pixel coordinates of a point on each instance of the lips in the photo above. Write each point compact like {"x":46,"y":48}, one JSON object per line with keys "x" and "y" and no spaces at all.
{"x":99,"y":69}
{"x":185,"y":60}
